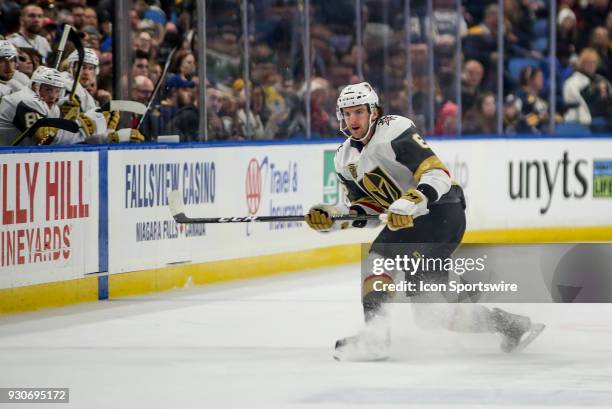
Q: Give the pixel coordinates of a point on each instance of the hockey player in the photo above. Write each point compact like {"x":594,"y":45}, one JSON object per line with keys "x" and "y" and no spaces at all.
{"x":8,"y":57}
{"x":20,"y":110}
{"x":84,"y":100}
{"x":11,"y":79}
{"x":387,"y":168}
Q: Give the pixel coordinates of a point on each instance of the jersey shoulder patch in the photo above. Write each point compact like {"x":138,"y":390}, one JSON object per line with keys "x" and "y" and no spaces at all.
{"x":389,"y":127}
{"x":386,"y":120}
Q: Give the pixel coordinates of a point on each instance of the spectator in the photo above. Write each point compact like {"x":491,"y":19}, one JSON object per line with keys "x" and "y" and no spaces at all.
{"x":514,"y":120}
{"x":180,"y":92}
{"x":396,"y":70}
{"x":106,"y":65}
{"x":179,"y":114}
{"x":471,"y":79}
{"x":142,"y":89}
{"x":64,"y":16}
{"x":144,"y":43}
{"x":28,"y":61}
{"x":255,"y":129}
{"x":447,"y":120}
{"x":263,"y":124}
{"x":155,"y":71}
{"x":229,"y":116}
{"x":78,"y":15}
{"x":586,"y":93}
{"x":216,"y":129}
{"x":92,"y":37}
{"x":519,"y":23}
{"x":594,"y":15}
{"x":528,"y":101}
{"x":31,"y":23}
{"x":319,"y":118}
{"x":90,"y":17}
{"x":481,"y":118}
{"x":156,"y":15}
{"x":184,"y":64}
{"x":49,"y":30}
{"x":567,"y":35}
{"x":214,"y":98}
{"x":480,"y":44}
{"x":601,"y":44}
{"x":106,"y":30}
{"x":140,"y":65}
{"x":214,"y":125}
{"x":171,"y":39}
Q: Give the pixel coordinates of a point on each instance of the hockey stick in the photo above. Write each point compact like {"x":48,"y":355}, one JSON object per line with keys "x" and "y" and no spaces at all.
{"x":127,"y":106}
{"x":178,"y":213}
{"x":58,"y":123}
{"x":161,"y":78}
{"x":62,"y":44}
{"x":75,"y":37}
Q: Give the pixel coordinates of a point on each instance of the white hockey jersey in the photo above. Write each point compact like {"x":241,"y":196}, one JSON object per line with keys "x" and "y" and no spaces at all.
{"x":4,"y":89}
{"x":17,"y":83}
{"x":395,"y":160}
{"x":20,"y":110}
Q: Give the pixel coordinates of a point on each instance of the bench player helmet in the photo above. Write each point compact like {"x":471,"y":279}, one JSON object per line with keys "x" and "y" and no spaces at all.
{"x":7,"y":50}
{"x":90,"y":58}
{"x":49,"y":76}
{"x":354,"y":95}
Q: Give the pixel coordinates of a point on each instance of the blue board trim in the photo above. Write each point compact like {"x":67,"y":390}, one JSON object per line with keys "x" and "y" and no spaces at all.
{"x":103,"y":224}
{"x":296,"y":141}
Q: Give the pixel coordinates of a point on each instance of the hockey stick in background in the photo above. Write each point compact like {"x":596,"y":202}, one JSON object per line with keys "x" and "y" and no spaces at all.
{"x":177,"y":209}
{"x":161,"y":78}
{"x":121,"y":105}
{"x":62,"y":44}
{"x":75,"y":38}
{"x":58,"y":123}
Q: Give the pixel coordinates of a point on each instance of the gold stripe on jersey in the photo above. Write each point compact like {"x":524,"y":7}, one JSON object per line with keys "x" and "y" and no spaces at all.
{"x":379,"y":186}
{"x":430,"y":163}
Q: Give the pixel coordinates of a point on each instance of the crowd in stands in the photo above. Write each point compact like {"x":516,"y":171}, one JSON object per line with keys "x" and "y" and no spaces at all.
{"x":272,"y":105}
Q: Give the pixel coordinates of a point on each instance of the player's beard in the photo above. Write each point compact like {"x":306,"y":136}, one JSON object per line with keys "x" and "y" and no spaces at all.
{"x":8,"y":77}
{"x":34,"y":29}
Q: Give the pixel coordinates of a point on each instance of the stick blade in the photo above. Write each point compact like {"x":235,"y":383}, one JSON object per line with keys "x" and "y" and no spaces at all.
{"x":76,"y":38}
{"x":128,"y":106}
{"x":58,"y":123}
{"x":177,"y":208}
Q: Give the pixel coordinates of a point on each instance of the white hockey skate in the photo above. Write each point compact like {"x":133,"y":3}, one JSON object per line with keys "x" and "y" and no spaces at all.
{"x":517,"y":331}
{"x":371,"y":344}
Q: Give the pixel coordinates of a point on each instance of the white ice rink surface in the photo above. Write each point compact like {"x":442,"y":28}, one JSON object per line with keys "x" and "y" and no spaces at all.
{"x":268,"y":344}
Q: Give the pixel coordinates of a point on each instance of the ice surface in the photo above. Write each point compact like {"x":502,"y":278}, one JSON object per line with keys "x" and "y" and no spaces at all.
{"x":267,"y":343}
